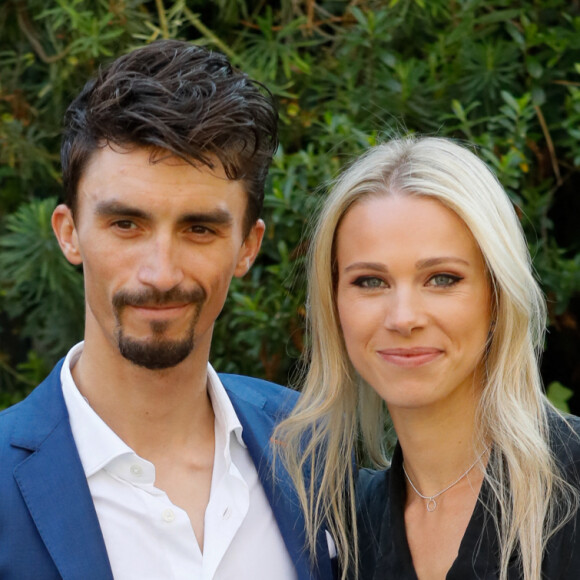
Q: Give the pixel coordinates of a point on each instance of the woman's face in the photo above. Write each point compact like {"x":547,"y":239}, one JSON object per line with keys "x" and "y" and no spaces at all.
{"x":414,"y":300}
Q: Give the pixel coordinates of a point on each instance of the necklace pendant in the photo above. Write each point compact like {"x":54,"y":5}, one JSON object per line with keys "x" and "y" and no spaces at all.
{"x":431,"y":503}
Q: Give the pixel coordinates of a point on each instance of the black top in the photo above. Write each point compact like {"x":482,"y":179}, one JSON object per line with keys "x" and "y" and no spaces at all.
{"x":384,"y":551}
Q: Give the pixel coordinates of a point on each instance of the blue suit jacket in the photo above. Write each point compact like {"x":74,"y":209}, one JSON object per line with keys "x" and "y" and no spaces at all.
{"x":48,"y":524}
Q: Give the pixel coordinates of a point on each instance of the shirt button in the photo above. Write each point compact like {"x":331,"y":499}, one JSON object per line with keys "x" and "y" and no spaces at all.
{"x":168,"y":515}
{"x":136,"y":470}
{"x":227,"y":513}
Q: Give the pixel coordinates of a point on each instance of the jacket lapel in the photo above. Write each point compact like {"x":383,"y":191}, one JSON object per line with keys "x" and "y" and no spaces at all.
{"x":54,"y":486}
{"x":258,"y":422}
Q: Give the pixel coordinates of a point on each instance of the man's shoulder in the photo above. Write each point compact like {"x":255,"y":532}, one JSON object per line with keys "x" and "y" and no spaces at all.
{"x":259,"y":392}
{"x":8,"y":417}
{"x":40,"y":409}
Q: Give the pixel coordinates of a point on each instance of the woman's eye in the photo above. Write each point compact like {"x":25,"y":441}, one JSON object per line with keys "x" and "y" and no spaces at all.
{"x":444,"y":280}
{"x":369,"y":282}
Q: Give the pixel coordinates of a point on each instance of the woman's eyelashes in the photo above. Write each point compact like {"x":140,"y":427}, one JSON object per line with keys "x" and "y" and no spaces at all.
{"x":440,"y":280}
{"x":369,"y":282}
{"x":444,"y":280}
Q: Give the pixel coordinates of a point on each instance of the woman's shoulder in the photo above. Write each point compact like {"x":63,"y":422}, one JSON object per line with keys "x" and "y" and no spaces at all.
{"x":372,"y":495}
{"x":372,"y":482}
{"x":372,"y":505}
{"x":565,"y":440}
{"x":373,"y":486}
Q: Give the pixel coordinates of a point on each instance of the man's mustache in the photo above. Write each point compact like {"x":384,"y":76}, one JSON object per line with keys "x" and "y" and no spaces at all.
{"x":154,"y":297}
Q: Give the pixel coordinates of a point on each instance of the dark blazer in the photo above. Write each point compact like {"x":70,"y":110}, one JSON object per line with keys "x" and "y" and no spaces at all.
{"x":384,"y":550}
{"x":48,"y":524}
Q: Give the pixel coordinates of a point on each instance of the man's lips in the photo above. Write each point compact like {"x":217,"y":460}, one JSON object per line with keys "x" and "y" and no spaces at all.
{"x":159,"y":310}
{"x":410,"y":357}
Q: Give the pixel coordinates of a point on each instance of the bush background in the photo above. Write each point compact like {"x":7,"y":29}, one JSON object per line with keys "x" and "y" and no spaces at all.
{"x":501,"y":74}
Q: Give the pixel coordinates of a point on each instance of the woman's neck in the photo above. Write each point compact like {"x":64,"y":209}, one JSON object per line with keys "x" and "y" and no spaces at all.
{"x":438,"y":445}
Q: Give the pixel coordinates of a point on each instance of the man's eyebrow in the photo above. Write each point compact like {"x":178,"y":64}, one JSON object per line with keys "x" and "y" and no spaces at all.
{"x":216,"y":217}
{"x":116,"y":208}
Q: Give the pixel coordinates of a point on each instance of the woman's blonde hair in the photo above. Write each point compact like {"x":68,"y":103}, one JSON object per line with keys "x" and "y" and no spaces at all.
{"x":337,"y":407}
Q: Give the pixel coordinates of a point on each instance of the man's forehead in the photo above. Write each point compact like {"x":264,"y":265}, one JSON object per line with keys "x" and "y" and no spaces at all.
{"x":129,"y":177}
{"x":152,"y":156}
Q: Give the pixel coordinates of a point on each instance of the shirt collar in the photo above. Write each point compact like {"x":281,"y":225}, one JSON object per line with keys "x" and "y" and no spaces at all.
{"x":96,"y":442}
{"x":225,"y":414}
{"x":98,"y":445}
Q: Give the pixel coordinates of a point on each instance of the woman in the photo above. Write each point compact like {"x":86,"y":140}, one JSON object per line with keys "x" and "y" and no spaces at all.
{"x":422,"y":295}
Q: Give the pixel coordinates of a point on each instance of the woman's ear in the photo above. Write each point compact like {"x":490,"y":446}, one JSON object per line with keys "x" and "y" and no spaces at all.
{"x":65,"y":231}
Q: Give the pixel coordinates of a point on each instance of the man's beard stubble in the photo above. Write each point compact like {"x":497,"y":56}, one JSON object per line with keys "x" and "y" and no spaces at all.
{"x":157,"y":353}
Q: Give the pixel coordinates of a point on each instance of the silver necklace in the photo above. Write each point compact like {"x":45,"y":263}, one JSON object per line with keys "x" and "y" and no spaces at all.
{"x":431,"y":503}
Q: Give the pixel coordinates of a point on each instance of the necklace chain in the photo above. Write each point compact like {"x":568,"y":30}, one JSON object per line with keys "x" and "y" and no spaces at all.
{"x":431,"y":503}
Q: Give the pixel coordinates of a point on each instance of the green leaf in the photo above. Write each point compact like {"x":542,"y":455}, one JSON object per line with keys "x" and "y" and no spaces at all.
{"x":559,"y":396}
{"x":535,"y":68}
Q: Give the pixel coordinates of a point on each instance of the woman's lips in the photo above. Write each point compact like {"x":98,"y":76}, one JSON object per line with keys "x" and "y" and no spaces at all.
{"x":410,"y":357}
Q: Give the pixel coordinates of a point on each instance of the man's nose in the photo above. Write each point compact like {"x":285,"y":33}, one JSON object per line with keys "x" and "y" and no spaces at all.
{"x":162,"y":265}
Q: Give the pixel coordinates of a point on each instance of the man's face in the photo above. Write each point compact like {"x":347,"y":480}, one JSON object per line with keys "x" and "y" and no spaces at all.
{"x":159,"y":243}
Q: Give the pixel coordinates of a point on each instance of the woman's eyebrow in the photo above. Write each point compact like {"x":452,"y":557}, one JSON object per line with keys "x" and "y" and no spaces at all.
{"x":430,"y":262}
{"x":420,"y":265}
{"x":377,"y":266}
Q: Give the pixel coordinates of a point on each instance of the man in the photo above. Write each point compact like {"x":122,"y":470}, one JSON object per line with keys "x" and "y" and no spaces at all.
{"x":133,"y":459}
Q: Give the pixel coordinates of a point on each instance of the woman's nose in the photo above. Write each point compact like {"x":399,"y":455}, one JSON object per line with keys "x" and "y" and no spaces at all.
{"x":405,"y":312}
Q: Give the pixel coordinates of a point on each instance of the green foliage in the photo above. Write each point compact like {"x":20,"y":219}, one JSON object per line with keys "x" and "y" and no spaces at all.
{"x":41,"y":294}
{"x":559,"y":396}
{"x":500,"y":74}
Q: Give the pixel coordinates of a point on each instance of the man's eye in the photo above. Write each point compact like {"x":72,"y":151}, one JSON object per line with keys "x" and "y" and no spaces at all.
{"x":200,"y":230}
{"x":125,"y":224}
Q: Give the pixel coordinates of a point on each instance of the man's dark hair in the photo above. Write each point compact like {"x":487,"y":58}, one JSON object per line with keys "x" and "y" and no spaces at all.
{"x":175,"y":97}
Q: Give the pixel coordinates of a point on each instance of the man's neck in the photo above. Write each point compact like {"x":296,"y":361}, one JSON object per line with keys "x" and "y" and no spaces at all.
{"x":151,"y":410}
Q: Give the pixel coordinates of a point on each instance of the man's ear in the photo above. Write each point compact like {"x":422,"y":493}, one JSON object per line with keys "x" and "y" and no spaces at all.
{"x":65,"y":231}
{"x":250,"y":249}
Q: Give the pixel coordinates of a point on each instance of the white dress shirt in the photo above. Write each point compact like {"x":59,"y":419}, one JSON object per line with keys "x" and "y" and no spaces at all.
{"x":147,"y":536}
